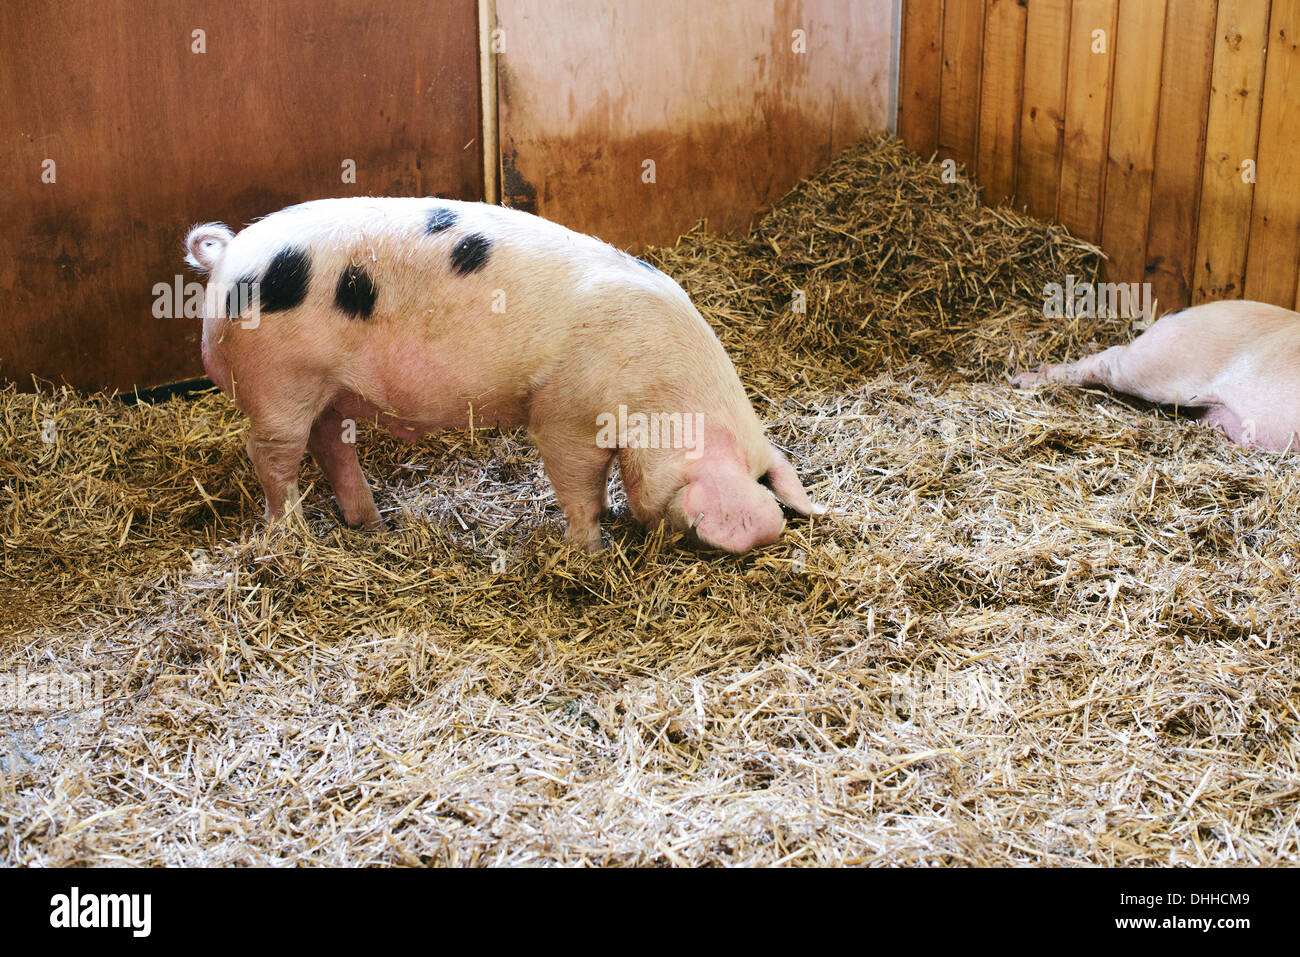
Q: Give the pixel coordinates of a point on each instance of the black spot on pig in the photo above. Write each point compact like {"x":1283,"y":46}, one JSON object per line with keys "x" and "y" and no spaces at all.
{"x":284,"y":284}
{"x":239,"y":297}
{"x":441,"y":218}
{"x":355,"y":293}
{"x":470,"y":253}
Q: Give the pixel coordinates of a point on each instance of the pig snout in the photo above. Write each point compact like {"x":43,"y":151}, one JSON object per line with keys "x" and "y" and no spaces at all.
{"x":729,"y":512}
{"x":723,"y":506}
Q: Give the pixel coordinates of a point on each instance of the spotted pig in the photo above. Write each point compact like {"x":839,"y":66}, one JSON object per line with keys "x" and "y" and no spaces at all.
{"x":426,"y":314}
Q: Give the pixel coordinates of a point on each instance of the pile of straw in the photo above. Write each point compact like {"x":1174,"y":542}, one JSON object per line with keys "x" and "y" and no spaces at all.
{"x":1050,"y":628}
{"x":877,"y":261}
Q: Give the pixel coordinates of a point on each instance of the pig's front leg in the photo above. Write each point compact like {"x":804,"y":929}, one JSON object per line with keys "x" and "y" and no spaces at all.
{"x":1167,"y":364}
{"x":579,"y":473}
{"x":1093,"y":370}
{"x":338,"y":460}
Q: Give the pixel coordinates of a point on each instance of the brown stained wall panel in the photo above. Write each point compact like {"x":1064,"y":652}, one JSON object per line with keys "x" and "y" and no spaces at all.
{"x":733,"y":102}
{"x":149,"y":137}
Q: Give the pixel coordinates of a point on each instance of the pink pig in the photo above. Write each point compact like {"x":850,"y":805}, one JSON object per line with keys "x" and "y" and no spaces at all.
{"x":426,"y":314}
{"x":1237,"y":361}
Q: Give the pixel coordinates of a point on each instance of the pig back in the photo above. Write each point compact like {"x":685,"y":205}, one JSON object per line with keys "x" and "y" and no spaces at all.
{"x":426,"y":307}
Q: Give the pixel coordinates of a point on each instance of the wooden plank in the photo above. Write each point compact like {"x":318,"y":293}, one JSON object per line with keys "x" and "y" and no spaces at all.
{"x":1001,"y":88}
{"x":1231,"y":136}
{"x":1275,"y":218}
{"x":922,"y":56}
{"x":149,"y":137}
{"x":1042,"y":112}
{"x":1087,"y":103}
{"x":1130,"y":162}
{"x":1180,"y":150}
{"x":489,"y":142}
{"x":589,"y":91}
{"x":959,"y":98}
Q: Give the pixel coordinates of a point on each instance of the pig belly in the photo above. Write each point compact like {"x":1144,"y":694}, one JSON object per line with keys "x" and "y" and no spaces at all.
{"x":412,"y":421}
{"x":1255,"y":425}
{"x":412,"y":385}
{"x":1258,"y":390}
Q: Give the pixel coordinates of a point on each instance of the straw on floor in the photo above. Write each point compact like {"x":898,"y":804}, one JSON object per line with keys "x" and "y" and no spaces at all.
{"x":1055,"y":628}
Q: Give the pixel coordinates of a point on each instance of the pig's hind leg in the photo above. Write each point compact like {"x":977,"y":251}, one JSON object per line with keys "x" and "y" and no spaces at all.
{"x":281,"y":420}
{"x":1156,"y":366}
{"x":338,"y":460}
{"x":277,"y":455}
{"x":1092,"y":370}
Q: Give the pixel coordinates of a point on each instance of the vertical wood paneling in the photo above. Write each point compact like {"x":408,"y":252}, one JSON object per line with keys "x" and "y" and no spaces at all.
{"x":1087,"y":101}
{"x":1001,"y":88}
{"x":922,"y":58}
{"x":1140,"y":148}
{"x":1042,"y":111}
{"x":959,"y":80}
{"x":1180,"y":149}
{"x":1231,"y":136}
{"x":1139,"y":42}
{"x":1275,"y":222}
{"x":150,"y":136}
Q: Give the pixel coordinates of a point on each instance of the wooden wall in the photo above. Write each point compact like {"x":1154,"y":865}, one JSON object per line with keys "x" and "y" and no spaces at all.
{"x":1138,"y":145}
{"x":714,"y":93}
{"x":149,"y":138}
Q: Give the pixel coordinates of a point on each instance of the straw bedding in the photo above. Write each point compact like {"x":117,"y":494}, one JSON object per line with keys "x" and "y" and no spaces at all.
{"x":1053,"y":628}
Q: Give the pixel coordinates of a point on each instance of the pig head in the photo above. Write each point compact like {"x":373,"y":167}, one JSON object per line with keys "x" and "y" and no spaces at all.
{"x":730,"y":495}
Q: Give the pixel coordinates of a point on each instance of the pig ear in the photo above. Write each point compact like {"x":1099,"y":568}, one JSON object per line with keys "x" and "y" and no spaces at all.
{"x":728,"y":511}
{"x":784,"y":482}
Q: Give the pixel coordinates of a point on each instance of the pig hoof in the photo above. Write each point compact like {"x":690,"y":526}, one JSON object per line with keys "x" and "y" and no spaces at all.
{"x":1027,"y":380}
{"x":366,"y":525}
{"x":370,"y":522}
{"x":588,"y":542}
{"x":285,"y":528}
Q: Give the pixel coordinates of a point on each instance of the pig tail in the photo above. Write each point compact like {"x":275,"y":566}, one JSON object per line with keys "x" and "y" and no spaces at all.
{"x":205,"y":245}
